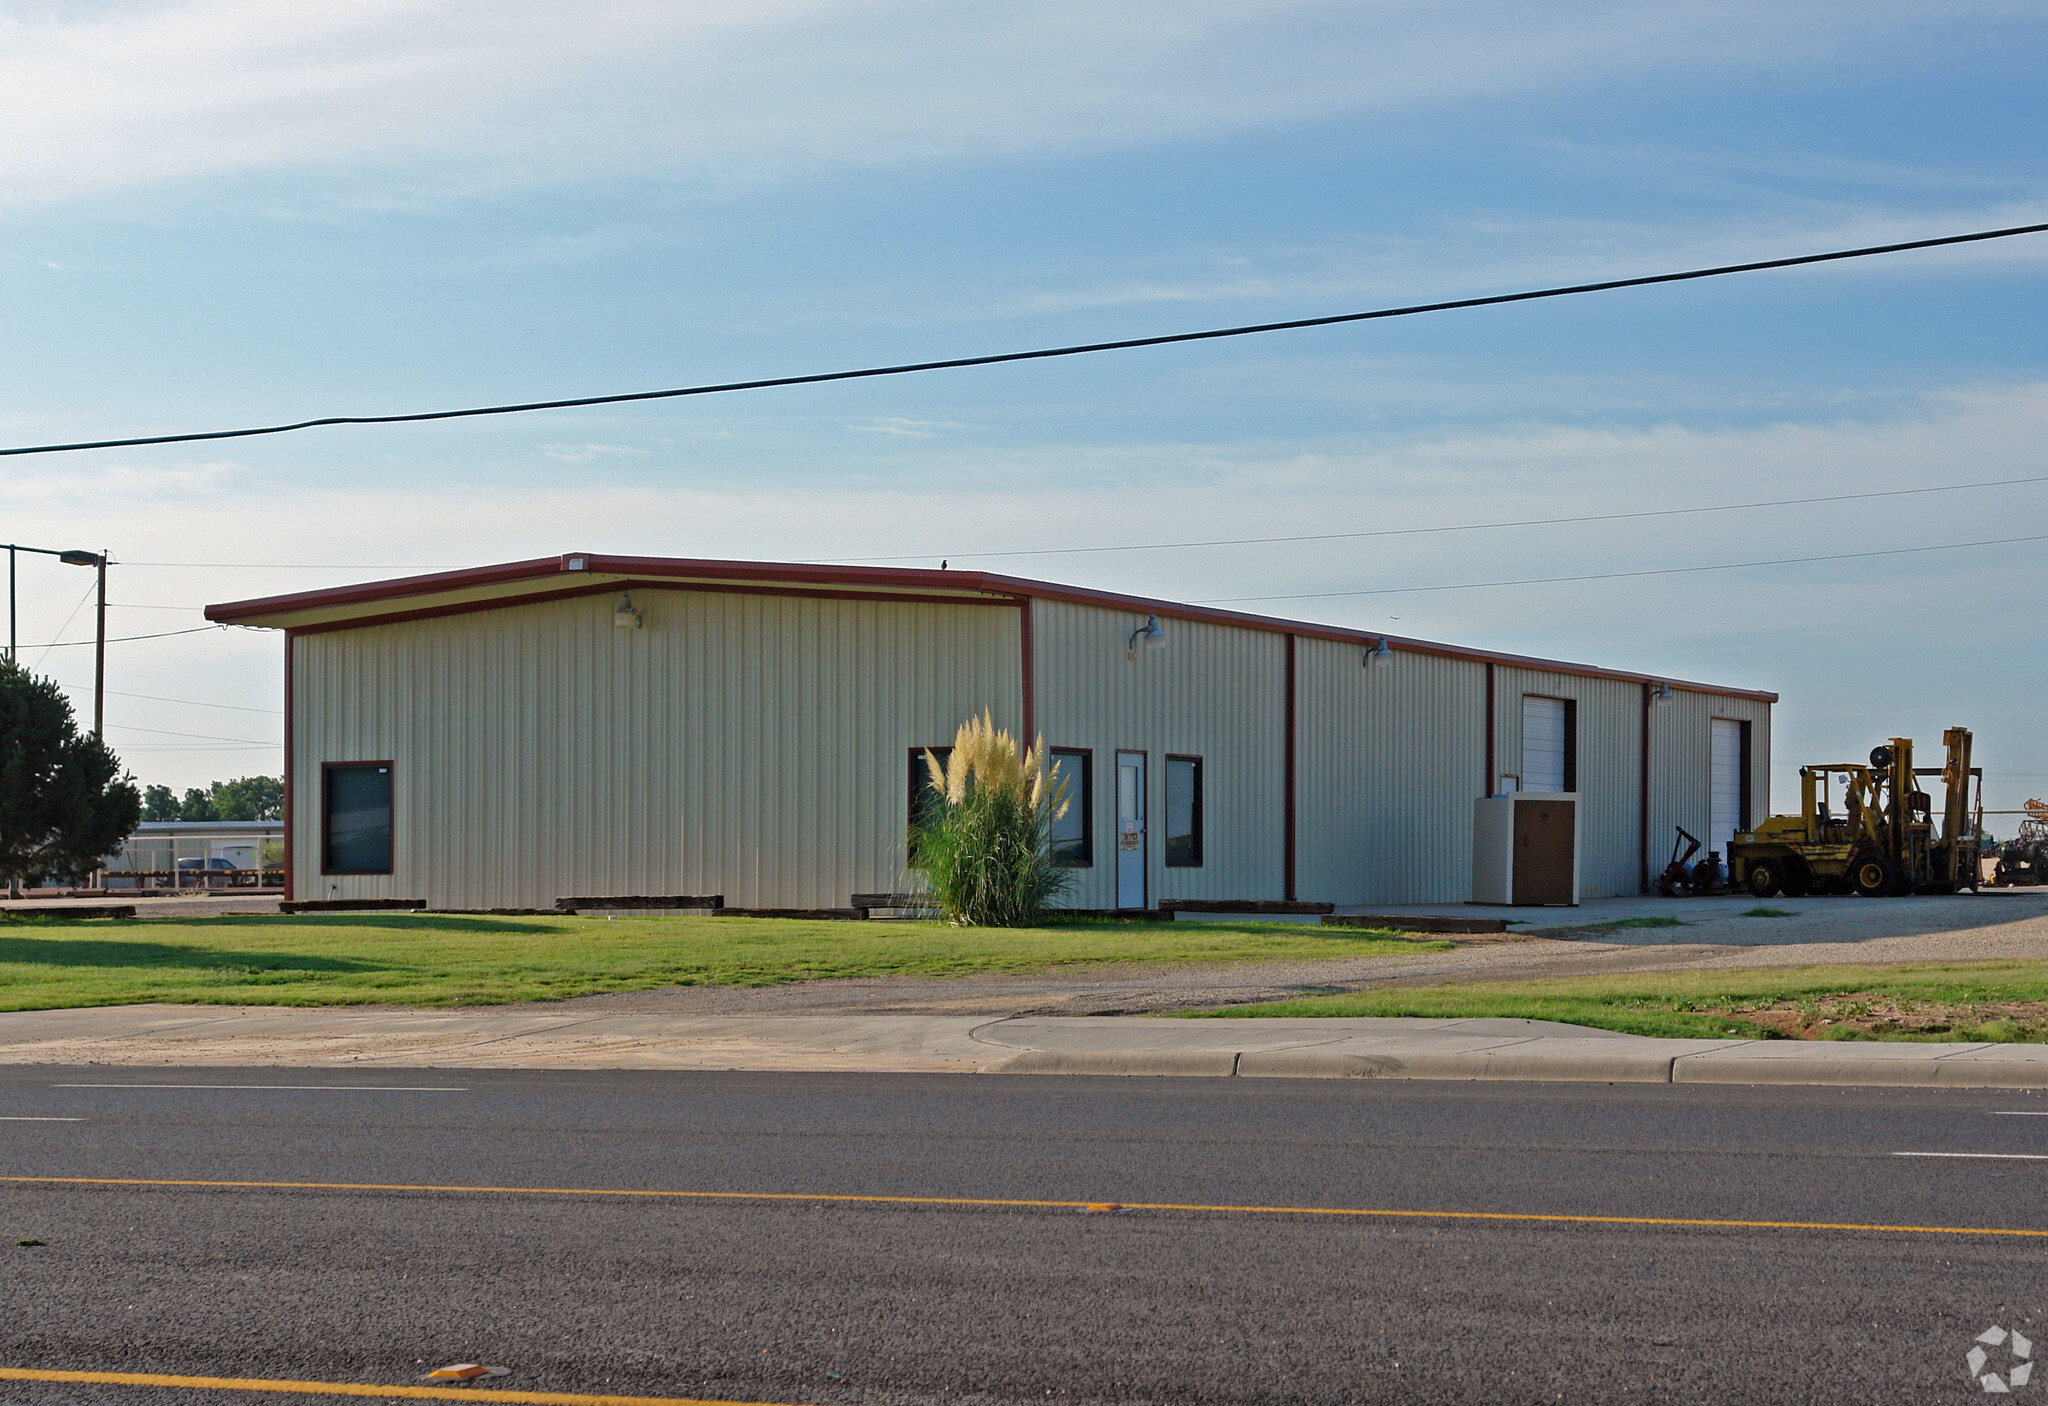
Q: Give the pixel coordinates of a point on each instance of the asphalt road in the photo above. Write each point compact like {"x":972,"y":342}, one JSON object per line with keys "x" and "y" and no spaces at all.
{"x":870,"y":1301}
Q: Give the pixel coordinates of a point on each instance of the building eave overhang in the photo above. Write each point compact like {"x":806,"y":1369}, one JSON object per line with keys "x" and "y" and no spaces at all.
{"x":579,"y":573}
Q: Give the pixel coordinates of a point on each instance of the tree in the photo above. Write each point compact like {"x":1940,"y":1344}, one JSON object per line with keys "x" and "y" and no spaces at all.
{"x":65,"y":802}
{"x":244,"y":798}
{"x":249,"y":798}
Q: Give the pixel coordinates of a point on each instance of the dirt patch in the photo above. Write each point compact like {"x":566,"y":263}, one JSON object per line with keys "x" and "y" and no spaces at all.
{"x":1850,"y":1017}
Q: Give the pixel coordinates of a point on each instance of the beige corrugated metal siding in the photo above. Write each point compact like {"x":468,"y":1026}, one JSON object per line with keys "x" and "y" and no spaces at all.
{"x":1608,"y":720}
{"x":1217,"y":692}
{"x":751,"y":745}
{"x":1390,"y":762}
{"x":1681,"y":765}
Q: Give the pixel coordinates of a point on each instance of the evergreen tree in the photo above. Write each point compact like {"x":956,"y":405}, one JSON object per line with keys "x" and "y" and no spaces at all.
{"x":65,"y":802}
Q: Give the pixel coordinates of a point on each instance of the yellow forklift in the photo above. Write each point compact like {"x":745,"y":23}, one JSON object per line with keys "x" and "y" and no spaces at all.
{"x":1882,"y":840}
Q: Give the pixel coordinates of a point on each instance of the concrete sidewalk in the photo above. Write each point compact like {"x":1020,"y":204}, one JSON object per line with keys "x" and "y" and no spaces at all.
{"x":1128,"y":1045}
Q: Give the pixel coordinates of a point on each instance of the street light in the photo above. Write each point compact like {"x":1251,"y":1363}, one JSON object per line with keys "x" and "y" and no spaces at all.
{"x":74,"y":557}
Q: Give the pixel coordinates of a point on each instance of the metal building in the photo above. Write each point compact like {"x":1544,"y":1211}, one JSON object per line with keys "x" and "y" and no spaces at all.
{"x":593,"y":725}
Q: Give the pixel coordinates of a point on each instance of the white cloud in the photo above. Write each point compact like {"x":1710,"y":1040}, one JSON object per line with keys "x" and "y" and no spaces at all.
{"x":464,"y":96}
{"x":585,"y":453}
{"x":908,"y":429}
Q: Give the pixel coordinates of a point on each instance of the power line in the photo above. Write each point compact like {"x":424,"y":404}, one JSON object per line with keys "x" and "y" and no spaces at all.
{"x":1625,"y":575}
{"x":199,"y":747}
{"x":1459,"y":527}
{"x":203,"y":736}
{"x":1045,"y":353}
{"x":90,"y":586}
{"x":158,"y":698}
{"x":125,"y":639}
{"x":1217,"y":541}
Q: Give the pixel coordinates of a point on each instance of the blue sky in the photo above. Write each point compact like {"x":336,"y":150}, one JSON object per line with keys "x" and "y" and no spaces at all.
{"x":215,"y":212}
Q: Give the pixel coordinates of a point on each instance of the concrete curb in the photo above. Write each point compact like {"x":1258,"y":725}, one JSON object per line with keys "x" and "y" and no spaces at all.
{"x":1198,"y":1064}
{"x":1534,"y":1065}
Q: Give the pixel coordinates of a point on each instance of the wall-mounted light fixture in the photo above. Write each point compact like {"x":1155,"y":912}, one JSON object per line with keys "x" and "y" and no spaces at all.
{"x":576,"y":564}
{"x":1662,"y":695}
{"x":1151,"y":633}
{"x":626,"y":617}
{"x":1381,"y":655}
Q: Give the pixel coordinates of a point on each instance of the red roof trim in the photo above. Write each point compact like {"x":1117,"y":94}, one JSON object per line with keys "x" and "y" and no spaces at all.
{"x":892,"y":578}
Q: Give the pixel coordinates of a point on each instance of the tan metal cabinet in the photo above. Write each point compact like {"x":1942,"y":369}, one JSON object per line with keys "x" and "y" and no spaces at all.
{"x":1525,"y":849}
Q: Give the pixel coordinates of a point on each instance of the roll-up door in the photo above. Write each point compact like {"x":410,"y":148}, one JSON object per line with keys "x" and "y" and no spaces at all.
{"x":1725,"y":815}
{"x":1544,"y":730}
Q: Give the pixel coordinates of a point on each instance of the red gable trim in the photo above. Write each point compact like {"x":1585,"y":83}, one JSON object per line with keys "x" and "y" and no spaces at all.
{"x":885,"y":580}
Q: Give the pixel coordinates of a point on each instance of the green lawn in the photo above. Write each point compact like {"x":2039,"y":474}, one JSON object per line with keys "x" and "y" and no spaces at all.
{"x":1997,"y":1001}
{"x":438,"y":960}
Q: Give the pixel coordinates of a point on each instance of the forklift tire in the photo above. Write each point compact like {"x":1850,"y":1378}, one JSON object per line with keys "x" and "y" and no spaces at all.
{"x":1798,"y":880}
{"x":1764,"y":880}
{"x":1871,"y":876}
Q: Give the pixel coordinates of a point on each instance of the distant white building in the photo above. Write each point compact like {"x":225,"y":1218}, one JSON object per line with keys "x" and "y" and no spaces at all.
{"x":587,"y":725}
{"x":157,"y":847}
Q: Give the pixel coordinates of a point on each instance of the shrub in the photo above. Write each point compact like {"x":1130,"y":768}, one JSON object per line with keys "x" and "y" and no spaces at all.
{"x":984,"y":843}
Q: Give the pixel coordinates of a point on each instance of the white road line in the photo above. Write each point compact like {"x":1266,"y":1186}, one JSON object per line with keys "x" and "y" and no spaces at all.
{"x":26,"y":1118}
{"x":2019,"y":1113}
{"x":1983,"y":1156}
{"x":290,"y":1088}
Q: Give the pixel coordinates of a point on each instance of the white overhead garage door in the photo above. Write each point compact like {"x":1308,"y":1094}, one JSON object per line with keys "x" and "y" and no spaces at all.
{"x":1725,"y":814}
{"x":1543,"y":743}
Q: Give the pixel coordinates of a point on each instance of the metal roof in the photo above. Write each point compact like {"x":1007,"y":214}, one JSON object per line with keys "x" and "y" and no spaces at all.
{"x":583,"y":573}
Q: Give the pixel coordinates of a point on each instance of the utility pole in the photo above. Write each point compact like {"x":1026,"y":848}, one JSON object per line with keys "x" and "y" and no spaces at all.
{"x":99,"y":659}
{"x":97,"y":560}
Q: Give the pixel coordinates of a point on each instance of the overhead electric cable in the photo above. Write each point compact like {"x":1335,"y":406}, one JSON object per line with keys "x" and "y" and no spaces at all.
{"x":159,"y":698}
{"x":1045,"y":353}
{"x":90,"y":587}
{"x":1458,"y":527}
{"x":126,"y":639}
{"x":1625,"y":575}
{"x":205,"y":736}
{"x":1227,"y":541}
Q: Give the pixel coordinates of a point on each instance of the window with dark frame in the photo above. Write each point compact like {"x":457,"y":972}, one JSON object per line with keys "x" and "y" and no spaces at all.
{"x":1073,"y":834}
{"x":355,"y":818}
{"x":923,"y":796}
{"x":1183,"y":812}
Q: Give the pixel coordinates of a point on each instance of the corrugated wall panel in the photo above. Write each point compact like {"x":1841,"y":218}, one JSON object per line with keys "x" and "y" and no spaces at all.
{"x":1609,"y":722}
{"x":1390,"y":761}
{"x":753,"y":745}
{"x":1215,"y":691}
{"x":1681,"y":765}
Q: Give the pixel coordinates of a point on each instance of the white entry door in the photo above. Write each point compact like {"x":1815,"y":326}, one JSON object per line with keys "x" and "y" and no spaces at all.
{"x":1130,"y":829}
{"x":1724,"y":790}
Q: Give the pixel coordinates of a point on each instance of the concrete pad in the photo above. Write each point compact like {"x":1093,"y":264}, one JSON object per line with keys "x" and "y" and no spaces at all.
{"x":1411,"y":1048}
{"x":1181,"y":915}
{"x":480,"y":1038}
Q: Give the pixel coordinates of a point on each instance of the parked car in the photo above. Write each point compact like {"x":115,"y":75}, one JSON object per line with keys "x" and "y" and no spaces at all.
{"x":201,"y":871}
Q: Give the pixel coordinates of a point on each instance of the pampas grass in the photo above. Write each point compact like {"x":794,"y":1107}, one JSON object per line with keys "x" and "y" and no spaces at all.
{"x":985,"y":847}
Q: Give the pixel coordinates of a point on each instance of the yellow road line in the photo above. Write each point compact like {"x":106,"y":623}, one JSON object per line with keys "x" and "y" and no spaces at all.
{"x":436,"y":1393}
{"x":845,"y":1197}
